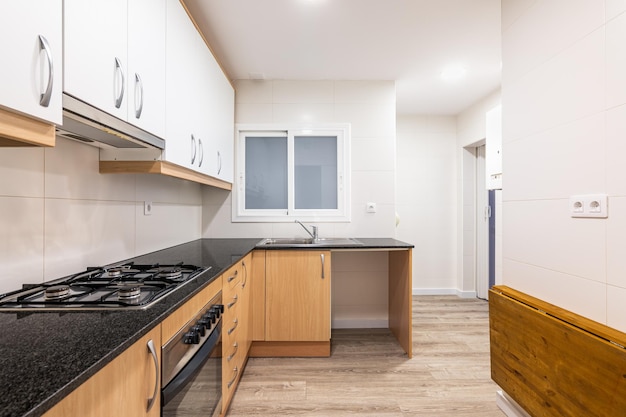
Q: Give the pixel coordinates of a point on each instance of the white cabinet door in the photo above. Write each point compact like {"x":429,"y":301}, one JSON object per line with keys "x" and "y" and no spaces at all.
{"x":31,"y":70}
{"x":186,"y":91}
{"x":146,"y":65}
{"x":224,"y":118}
{"x":96,"y":62}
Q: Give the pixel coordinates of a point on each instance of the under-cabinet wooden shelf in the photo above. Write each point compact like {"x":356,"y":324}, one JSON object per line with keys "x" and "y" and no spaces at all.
{"x":18,"y":130}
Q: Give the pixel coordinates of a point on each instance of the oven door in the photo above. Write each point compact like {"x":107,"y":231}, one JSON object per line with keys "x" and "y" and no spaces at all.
{"x":197,"y":389}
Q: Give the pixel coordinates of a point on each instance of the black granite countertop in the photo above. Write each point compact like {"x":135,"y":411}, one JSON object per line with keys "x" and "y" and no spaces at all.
{"x":45,"y":356}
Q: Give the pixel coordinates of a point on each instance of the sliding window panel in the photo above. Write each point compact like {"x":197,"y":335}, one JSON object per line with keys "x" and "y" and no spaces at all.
{"x":266,"y":173}
{"x":315,"y":172}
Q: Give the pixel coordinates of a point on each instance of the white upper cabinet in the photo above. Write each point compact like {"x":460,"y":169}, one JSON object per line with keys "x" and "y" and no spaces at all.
{"x":115,"y":56}
{"x":200,"y":101}
{"x":32,"y":67}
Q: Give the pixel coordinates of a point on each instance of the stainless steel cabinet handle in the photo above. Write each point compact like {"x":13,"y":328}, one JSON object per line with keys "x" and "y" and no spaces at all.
{"x":235,"y":298}
{"x":193,"y":149}
{"x":138,"y":83}
{"x":201,"y":149}
{"x":232,"y":355}
{"x":44,"y":98}
{"x":219,"y":162}
{"x":232,"y":329}
{"x":232,"y":381}
{"x":120,"y":70}
{"x":232,"y":277}
{"x":245,"y":275}
{"x":157,"y":378}
{"x":322,"y":258}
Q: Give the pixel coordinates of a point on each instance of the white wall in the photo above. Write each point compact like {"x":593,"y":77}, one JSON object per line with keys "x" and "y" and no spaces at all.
{"x":426,"y":199}
{"x":564,"y":124}
{"x":370,"y":108}
{"x":59,"y":215}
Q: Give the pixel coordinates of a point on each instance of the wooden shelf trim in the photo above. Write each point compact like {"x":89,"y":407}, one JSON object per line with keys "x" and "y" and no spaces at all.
{"x":19,"y":130}
{"x":163,"y":168}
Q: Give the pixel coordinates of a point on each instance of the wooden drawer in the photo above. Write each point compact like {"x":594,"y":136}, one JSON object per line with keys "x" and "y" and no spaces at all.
{"x":232,"y":277}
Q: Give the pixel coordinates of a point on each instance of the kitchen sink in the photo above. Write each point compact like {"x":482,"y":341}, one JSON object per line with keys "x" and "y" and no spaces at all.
{"x":309,"y":242}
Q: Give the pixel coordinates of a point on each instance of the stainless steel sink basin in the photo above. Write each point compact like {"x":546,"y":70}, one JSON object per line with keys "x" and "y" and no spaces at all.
{"x":308,"y":242}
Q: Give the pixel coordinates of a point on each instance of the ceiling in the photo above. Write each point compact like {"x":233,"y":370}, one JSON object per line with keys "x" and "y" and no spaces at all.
{"x":409,"y":41}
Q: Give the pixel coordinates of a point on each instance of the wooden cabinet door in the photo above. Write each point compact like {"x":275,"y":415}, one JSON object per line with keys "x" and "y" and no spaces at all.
{"x":297,"y":296}
{"x":32,"y":50}
{"x":121,"y":388}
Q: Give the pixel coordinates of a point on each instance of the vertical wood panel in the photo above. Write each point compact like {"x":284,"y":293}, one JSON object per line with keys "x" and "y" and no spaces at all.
{"x":400,"y":302}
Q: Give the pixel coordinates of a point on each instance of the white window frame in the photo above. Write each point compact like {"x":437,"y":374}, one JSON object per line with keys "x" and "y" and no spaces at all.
{"x":343,"y":211}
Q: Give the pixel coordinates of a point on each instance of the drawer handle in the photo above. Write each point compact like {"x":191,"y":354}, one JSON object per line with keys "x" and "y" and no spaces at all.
{"x":232,"y":329}
{"x":232,"y":303}
{"x":152,"y":400}
{"x":44,"y":98}
{"x":232,"y":381}
{"x":119,"y":70}
{"x":245,"y":275}
{"x":322,"y":257}
{"x":232,"y":355}
{"x":233,"y":276}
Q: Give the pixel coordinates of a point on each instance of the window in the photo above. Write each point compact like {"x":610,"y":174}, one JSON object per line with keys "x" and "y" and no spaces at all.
{"x":292,"y":173}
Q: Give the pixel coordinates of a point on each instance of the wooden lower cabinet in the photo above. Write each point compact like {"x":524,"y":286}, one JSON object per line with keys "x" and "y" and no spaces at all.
{"x":121,"y":388}
{"x":236,"y":326}
{"x":297,"y":296}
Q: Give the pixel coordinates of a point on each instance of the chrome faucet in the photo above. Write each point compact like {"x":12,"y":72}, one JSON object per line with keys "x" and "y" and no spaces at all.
{"x":314,"y":228}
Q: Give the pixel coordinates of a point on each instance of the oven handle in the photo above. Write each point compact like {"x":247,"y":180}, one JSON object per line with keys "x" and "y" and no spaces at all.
{"x":152,"y":399}
{"x":192,"y":367}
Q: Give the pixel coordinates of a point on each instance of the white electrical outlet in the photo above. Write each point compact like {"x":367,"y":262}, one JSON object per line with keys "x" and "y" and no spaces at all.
{"x":147,"y":208}
{"x":370,"y":207}
{"x":589,"y":205}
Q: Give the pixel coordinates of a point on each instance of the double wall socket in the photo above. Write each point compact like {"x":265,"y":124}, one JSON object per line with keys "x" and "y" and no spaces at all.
{"x":589,"y":205}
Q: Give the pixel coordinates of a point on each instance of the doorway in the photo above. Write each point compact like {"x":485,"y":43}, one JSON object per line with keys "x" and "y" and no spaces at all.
{"x":485,"y":229}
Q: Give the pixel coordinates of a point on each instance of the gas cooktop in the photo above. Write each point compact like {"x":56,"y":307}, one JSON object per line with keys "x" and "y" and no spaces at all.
{"x":127,"y":286}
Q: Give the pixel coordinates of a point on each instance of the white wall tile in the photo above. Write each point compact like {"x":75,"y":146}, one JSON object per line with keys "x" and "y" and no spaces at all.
{"x":168,"y":225}
{"x":373,"y":154}
{"x":616,"y":62}
{"x":254,"y":112}
{"x":373,"y":186}
{"x":382,"y":92}
{"x":535,"y":101}
{"x":615,"y":150}
{"x":303,"y":92}
{"x":616,"y":242}
{"x":512,"y":10}
{"x":303,"y":113}
{"x":559,"y":162}
{"x":616,"y":308}
{"x":614,"y":8}
{"x":579,"y":295}
{"x":82,"y":233}
{"x":22,"y":172}
{"x":367,"y":120}
{"x":72,"y":171}
{"x":253,"y":91}
{"x":165,"y":189}
{"x":21,"y":242}
{"x":542,"y":233}
{"x":532,"y":39}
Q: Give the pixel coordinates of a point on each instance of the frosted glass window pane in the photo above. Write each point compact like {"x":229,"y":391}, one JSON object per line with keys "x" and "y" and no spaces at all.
{"x":315,"y":172}
{"x":266,"y":173}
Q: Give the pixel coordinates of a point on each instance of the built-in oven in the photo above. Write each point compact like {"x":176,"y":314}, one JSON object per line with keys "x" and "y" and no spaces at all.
{"x":192,"y":366}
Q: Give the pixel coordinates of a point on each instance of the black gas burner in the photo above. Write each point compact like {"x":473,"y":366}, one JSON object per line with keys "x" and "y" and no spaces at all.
{"x":127,"y":286}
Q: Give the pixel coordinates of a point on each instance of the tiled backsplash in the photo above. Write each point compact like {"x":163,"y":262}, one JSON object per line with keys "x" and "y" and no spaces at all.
{"x":59,"y":215}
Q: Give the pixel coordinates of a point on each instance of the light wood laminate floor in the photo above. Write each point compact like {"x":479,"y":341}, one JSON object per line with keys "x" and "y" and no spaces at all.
{"x":369,"y":375}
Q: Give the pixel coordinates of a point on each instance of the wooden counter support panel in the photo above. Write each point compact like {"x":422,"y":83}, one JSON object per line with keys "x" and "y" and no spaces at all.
{"x":400,"y":298}
{"x":553,"y":362}
{"x":258,"y":295}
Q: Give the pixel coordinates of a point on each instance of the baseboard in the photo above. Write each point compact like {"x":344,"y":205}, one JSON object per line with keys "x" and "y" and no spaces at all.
{"x":360,"y":323}
{"x":444,"y":291}
{"x":509,"y":406}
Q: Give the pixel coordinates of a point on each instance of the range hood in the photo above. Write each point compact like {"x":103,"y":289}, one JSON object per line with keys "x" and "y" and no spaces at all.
{"x":87,"y":124}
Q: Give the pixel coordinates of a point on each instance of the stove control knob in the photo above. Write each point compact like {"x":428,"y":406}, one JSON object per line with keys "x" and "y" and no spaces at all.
{"x":191,"y":338}
{"x":205,"y":322}
{"x":220,"y":307}
{"x":199,"y":329}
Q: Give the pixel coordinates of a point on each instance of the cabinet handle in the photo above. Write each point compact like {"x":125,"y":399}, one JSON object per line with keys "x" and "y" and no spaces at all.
{"x":232,"y":355}
{"x":219,"y":162}
{"x":232,"y":381}
{"x":245,"y":275}
{"x":235,"y":298}
{"x":138,"y":83}
{"x":322,"y":258}
{"x":232,"y":329}
{"x":44,"y":98}
{"x":201,"y":152}
{"x":232,"y":277}
{"x":152,"y":400}
{"x":193,"y":149}
{"x":118,"y":69}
